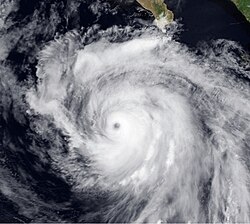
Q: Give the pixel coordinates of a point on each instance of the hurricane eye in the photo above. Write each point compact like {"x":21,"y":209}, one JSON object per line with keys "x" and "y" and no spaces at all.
{"x":116,"y":125}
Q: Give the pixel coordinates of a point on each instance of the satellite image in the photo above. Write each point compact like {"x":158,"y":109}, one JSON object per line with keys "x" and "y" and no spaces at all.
{"x":125,"y":111}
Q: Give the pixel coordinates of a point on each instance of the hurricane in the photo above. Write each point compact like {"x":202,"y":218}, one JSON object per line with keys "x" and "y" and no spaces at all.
{"x":137,"y":126}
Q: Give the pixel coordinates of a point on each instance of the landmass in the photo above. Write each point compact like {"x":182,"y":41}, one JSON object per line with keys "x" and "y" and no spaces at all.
{"x":163,"y":16}
{"x":244,"y":7}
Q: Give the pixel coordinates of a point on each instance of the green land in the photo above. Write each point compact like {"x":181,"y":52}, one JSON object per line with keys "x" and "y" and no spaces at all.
{"x":158,"y":8}
{"x":160,"y":11}
{"x":244,"y":7}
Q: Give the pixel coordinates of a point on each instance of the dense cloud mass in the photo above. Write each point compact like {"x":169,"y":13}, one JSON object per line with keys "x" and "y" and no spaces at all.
{"x":104,"y":118}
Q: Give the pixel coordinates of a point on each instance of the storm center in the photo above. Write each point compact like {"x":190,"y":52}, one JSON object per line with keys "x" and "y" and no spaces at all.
{"x":116,"y":125}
